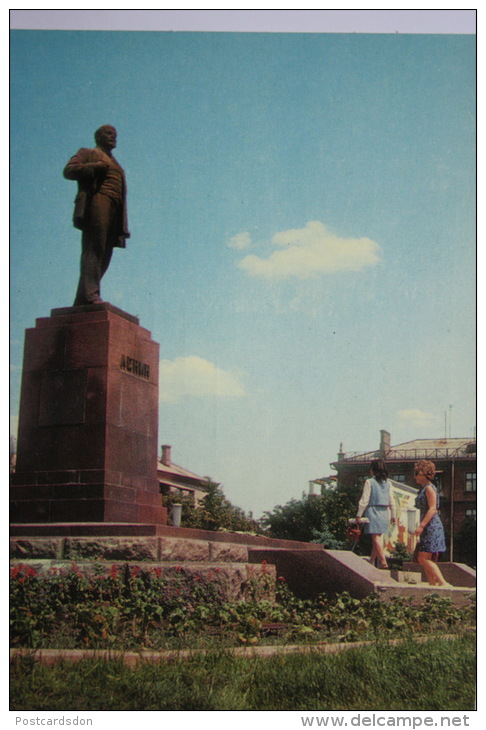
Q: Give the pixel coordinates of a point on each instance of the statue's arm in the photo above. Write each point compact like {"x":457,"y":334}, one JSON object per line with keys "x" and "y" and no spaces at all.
{"x":80,"y":168}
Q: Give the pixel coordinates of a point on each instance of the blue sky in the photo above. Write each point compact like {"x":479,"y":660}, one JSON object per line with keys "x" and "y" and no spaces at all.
{"x":302,"y":211}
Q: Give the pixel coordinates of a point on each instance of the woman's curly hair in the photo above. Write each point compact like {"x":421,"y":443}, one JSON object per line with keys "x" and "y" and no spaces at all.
{"x":427,"y":468}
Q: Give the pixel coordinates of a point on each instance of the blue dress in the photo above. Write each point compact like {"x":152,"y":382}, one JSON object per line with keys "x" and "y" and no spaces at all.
{"x":432,"y":539}
{"x":378,"y":509}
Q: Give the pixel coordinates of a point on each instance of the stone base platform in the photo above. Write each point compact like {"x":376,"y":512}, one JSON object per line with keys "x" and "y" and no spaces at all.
{"x":93,"y":547}
{"x":129,"y":530}
{"x":307,"y":568}
{"x":141,"y":548}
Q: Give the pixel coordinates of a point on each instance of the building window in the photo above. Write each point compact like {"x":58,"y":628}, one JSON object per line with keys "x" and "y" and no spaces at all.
{"x":398,"y":477}
{"x":470,"y":512}
{"x":360,"y":480}
{"x":439,"y":482}
{"x":470,"y":481}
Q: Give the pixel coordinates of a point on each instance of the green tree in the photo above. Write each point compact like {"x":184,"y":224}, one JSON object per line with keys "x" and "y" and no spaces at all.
{"x":214,"y":512}
{"x":187,"y":504}
{"x":322,"y":519}
{"x":294,"y":520}
{"x":325,"y":537}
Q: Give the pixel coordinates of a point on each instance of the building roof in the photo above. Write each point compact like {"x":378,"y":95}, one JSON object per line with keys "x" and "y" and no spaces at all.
{"x":174,"y":475}
{"x":444,"y":448}
{"x":176,"y":470}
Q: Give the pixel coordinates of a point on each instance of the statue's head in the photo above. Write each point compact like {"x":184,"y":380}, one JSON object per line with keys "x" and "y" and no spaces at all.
{"x":105,"y":136}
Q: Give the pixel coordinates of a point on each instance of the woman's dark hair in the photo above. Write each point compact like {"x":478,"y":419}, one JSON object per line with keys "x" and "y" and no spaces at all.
{"x":380,"y":472}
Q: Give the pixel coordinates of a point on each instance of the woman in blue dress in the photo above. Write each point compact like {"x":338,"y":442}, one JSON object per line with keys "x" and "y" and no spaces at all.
{"x":377,"y":505}
{"x":430,"y":529}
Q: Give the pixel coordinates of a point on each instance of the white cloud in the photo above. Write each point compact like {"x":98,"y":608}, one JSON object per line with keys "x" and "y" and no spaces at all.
{"x":240,"y":241}
{"x":194,"y":376}
{"x":415,"y":417}
{"x":310,"y":251}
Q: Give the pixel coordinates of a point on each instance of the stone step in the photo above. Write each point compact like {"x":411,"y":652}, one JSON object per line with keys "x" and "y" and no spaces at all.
{"x":310,"y":573}
{"x":457,"y":574}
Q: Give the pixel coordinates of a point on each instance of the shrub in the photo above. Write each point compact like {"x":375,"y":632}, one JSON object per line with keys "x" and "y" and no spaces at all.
{"x":399,"y":555}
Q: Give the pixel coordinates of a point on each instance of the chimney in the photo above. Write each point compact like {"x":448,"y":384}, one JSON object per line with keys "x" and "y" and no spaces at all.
{"x":166,"y":458}
{"x":384,"y":442}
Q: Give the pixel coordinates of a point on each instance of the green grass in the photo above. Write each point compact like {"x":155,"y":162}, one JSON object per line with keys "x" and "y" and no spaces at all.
{"x":436,"y":675}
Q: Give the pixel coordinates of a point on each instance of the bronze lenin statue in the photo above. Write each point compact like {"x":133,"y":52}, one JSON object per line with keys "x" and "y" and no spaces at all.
{"x":100,"y":210}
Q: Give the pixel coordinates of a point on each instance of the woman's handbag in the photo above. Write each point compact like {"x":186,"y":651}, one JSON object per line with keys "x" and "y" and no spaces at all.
{"x":354,"y":529}
{"x":354,"y":532}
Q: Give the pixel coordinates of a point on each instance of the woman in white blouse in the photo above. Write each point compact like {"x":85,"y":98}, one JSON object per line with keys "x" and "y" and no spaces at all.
{"x":377,"y":505}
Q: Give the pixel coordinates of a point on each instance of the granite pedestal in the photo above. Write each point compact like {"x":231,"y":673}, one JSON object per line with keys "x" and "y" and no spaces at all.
{"x":87,"y":440}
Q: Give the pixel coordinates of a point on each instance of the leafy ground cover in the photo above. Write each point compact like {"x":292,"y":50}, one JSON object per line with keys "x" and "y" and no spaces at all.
{"x":132,"y":608}
{"x":437,"y":675}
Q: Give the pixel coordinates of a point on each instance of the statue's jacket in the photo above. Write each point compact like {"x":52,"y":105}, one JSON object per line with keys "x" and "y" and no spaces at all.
{"x":89,"y":183}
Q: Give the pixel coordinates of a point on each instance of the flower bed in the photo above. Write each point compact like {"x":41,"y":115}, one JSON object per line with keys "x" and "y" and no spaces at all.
{"x":128,"y":607}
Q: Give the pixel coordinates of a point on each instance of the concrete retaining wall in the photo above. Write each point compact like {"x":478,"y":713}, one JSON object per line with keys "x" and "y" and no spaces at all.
{"x":127,"y":548}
